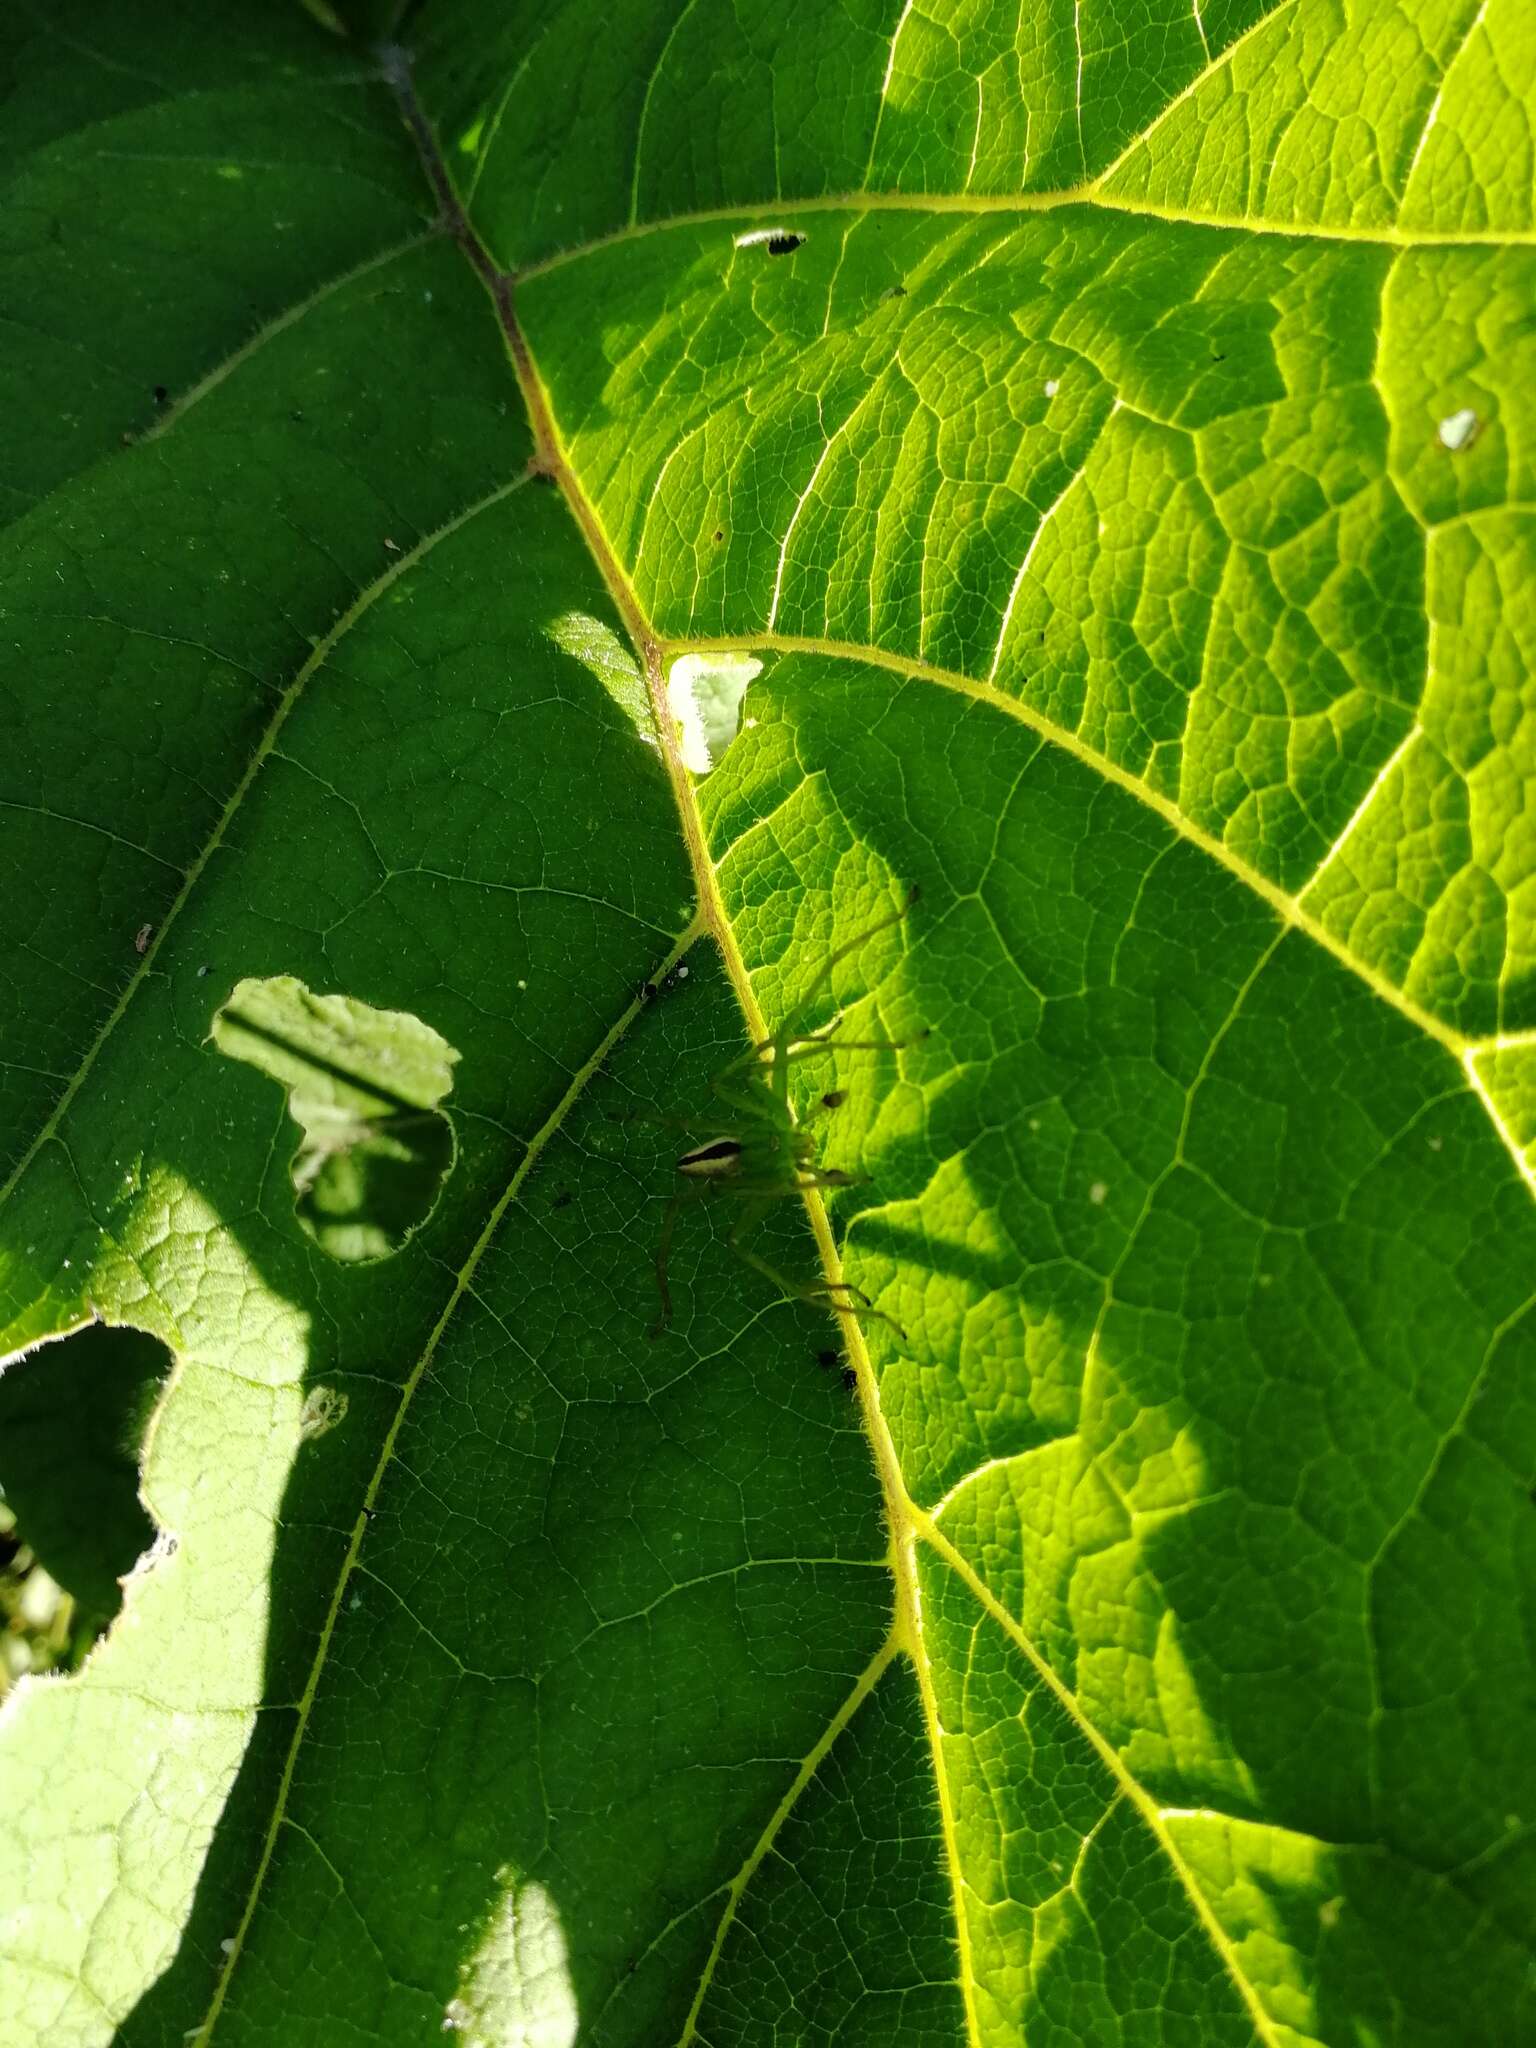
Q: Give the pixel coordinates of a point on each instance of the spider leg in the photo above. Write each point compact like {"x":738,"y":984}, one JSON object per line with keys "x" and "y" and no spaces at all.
{"x":808,"y":1048}
{"x":741,"y":1088}
{"x":787,"y":1052}
{"x":775,"y":1052}
{"x":787,"y":1035}
{"x":756,"y":1202}
{"x":819,"y":1295}
{"x":778,"y":1055}
{"x":824,"y":972}
{"x":688,"y":1193}
{"x":748,"y":1084}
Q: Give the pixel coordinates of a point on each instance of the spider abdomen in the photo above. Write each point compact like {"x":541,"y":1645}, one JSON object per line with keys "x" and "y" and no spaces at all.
{"x":713,"y":1159}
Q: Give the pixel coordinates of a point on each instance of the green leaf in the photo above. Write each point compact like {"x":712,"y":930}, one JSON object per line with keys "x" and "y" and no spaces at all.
{"x":1077,"y":464}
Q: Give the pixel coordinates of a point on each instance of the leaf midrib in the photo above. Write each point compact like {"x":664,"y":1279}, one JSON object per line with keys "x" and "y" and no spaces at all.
{"x":550,"y":459}
{"x":906,"y":1522}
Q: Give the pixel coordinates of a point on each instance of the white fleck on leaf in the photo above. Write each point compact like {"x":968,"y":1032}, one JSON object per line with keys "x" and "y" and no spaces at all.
{"x":1458,"y":430}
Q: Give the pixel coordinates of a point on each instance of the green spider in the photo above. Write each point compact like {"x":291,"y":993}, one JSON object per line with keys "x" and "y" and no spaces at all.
{"x":763,"y":1152}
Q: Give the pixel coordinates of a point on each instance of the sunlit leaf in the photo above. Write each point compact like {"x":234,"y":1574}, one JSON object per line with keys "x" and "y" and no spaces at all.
{"x":524,"y":540}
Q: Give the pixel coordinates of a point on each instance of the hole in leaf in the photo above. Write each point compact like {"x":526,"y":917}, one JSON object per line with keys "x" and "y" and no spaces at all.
{"x":363,"y":1087}
{"x":704,"y":693}
{"x":72,"y":1419}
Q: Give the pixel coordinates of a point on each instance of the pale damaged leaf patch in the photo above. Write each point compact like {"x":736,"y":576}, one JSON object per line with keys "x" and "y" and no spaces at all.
{"x":515,"y":1990}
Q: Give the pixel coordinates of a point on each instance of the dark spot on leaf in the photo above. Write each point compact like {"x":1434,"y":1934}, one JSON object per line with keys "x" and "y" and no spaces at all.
{"x":834,"y":1098}
{"x":783,"y":245}
{"x":719,"y":533}
{"x":563,"y":1200}
{"x":826,"y":1360}
{"x":892,"y":291}
{"x":160,"y":394}
{"x":850,"y":1380}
